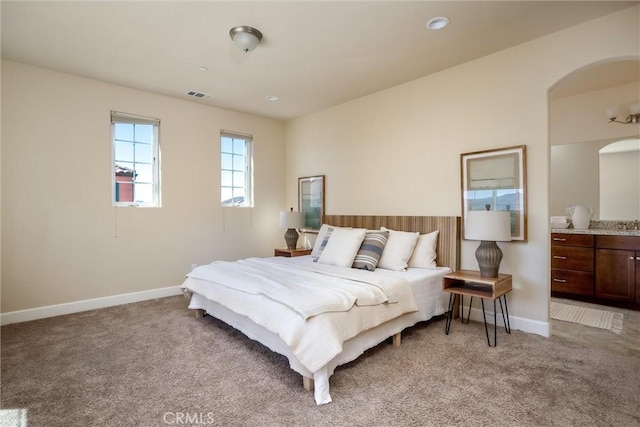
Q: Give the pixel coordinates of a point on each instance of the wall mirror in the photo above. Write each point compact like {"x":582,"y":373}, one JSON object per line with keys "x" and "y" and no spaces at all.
{"x":311,"y":201}
{"x":620,"y":180}
{"x":602,"y":175}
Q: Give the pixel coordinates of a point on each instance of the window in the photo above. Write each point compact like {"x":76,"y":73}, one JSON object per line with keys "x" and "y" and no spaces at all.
{"x":135,"y":150}
{"x":236,"y":170}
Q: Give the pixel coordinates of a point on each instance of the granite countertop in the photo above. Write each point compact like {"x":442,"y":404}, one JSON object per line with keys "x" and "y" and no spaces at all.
{"x":600,"y":231}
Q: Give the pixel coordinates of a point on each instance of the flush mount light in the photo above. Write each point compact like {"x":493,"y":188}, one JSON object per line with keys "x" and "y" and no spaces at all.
{"x":203,"y":68}
{"x":246,"y":38}
{"x":438,"y":23}
{"x":271,"y":97}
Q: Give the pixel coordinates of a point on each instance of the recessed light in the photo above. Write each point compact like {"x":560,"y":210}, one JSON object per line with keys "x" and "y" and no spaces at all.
{"x":438,"y":23}
{"x":203,"y":68}
{"x":271,"y":97}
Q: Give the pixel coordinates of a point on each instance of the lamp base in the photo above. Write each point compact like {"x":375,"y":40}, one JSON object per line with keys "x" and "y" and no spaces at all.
{"x":291,"y":236}
{"x":489,"y":256}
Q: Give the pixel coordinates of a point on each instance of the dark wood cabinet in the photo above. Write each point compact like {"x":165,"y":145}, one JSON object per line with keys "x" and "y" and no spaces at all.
{"x":618,"y":268}
{"x":572,"y":264}
{"x":599,"y":268}
{"x":615,"y":274}
{"x":637,"y":281}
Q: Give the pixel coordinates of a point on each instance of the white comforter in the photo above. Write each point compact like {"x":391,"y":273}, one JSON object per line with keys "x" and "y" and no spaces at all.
{"x":309,"y":290}
{"x":313,"y":309}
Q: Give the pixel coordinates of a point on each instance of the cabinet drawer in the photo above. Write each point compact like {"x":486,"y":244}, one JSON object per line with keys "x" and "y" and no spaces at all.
{"x":630,"y":243}
{"x":572,"y":282}
{"x":561,"y":239}
{"x":572,"y":258}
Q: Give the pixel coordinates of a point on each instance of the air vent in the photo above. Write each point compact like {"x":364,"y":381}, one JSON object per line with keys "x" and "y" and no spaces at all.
{"x":198,"y":95}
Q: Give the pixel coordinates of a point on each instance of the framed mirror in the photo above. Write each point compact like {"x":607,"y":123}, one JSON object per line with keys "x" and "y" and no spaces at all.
{"x":311,"y":201}
{"x":497,"y":180}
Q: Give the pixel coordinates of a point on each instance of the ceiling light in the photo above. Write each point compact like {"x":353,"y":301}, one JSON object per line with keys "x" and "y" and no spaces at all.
{"x":632,"y":119}
{"x":246,"y":38}
{"x":271,"y":97}
{"x":438,"y":23}
{"x":203,"y":68}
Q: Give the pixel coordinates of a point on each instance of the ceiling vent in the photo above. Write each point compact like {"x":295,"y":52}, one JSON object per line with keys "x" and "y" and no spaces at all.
{"x":198,"y":95}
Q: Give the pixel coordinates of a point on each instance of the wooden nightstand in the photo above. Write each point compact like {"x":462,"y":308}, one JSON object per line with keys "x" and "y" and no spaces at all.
{"x":289,"y":253}
{"x":468,"y":282}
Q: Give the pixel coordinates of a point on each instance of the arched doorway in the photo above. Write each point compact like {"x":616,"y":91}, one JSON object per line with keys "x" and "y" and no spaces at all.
{"x":580,"y":106}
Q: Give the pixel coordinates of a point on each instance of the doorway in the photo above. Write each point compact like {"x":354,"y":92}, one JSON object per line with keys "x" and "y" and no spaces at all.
{"x":580,"y":106}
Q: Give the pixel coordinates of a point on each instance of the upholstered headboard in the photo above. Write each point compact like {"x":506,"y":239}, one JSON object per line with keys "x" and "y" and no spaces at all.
{"x":448,"y":226}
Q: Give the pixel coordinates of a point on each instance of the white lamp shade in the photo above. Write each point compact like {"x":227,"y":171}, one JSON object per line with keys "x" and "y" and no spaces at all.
{"x":291,"y":219}
{"x":488,"y":225}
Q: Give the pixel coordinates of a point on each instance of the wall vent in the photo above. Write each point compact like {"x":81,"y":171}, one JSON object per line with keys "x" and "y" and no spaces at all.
{"x":198,"y":95}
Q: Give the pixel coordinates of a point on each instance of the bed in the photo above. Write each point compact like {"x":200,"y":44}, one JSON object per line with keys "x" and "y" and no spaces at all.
{"x":315,"y":341}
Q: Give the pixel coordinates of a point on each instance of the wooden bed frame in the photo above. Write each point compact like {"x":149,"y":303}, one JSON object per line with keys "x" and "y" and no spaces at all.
{"x":448,"y":226}
{"x":448,"y":247}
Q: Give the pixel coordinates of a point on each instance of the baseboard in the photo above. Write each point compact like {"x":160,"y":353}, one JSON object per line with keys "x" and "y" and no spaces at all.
{"x":517,"y":323}
{"x":85,"y":305}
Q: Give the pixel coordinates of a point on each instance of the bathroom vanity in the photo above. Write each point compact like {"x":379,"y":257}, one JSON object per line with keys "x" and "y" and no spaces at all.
{"x":596,"y":265}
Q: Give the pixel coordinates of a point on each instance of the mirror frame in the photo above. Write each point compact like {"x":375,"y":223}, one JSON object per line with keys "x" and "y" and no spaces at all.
{"x":311,"y":201}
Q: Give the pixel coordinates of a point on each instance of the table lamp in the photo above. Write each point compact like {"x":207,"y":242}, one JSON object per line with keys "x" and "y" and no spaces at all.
{"x":488,"y":227}
{"x":291,"y":220}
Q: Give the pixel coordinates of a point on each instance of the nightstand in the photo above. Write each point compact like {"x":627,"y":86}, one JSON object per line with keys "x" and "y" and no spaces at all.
{"x":468,"y":282}
{"x":290,"y":253}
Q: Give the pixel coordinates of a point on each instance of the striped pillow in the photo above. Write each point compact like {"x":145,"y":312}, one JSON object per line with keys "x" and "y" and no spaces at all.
{"x":370,"y":251}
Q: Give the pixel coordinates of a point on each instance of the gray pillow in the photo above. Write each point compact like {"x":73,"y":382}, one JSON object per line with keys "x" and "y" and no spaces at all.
{"x":371,"y":250}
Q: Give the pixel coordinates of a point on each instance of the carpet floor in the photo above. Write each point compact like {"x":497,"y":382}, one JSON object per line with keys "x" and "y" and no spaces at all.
{"x":154,"y":364}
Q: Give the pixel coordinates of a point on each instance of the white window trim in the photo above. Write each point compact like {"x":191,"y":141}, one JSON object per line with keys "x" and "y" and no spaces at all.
{"x":248,"y":167}
{"x":120,"y":117}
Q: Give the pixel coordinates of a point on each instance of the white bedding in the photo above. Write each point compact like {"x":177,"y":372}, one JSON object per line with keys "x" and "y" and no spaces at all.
{"x":317,"y":345}
{"x":309,"y":289}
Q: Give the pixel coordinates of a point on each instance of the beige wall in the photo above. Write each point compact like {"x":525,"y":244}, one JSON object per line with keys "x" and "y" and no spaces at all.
{"x":62,"y":241}
{"x":398,"y":151}
{"x":583,"y":118}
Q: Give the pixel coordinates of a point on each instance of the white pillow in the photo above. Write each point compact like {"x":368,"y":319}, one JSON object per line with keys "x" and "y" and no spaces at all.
{"x":324,"y":232}
{"x":321,"y":240}
{"x":342,"y":247}
{"x":424,"y":254}
{"x":398,"y":249}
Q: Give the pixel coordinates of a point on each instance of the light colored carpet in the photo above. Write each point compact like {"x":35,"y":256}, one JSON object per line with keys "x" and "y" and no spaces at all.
{"x":595,"y":318}
{"x":154,"y":364}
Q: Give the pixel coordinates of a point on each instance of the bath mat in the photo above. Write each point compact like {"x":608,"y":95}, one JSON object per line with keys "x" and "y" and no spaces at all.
{"x":602,"y":319}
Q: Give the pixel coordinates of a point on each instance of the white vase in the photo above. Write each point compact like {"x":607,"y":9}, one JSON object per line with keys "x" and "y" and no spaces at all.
{"x":581,"y":217}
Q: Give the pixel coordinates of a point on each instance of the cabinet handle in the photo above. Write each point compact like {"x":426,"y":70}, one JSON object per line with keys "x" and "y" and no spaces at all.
{"x":560,"y":280}
{"x":631,"y":258}
{"x":559,"y":257}
{"x":558,"y":239}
